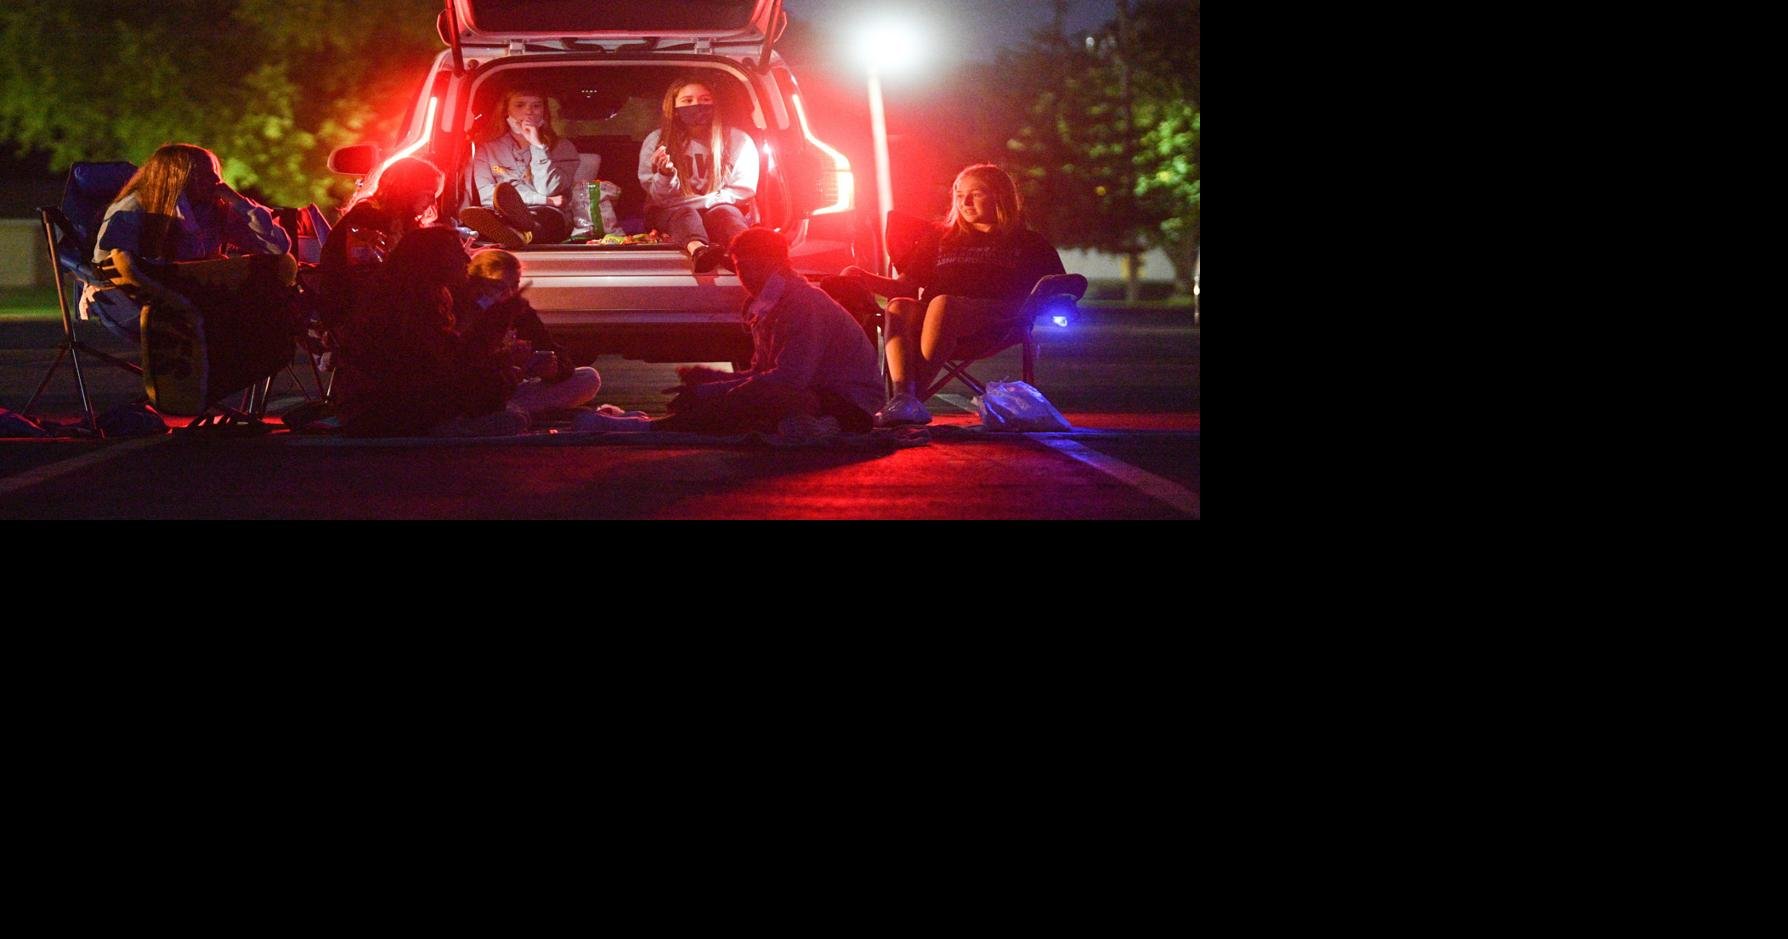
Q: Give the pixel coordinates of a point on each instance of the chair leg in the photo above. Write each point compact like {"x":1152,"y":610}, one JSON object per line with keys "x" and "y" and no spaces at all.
{"x":954,"y":370}
{"x":70,"y":344}
{"x":61,"y":353}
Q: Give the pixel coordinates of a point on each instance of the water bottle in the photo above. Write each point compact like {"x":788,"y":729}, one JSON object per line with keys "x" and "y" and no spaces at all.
{"x":594,"y":188}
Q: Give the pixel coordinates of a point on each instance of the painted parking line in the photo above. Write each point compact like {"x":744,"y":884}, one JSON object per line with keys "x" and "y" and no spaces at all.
{"x":32,"y":477}
{"x":1143,"y":481}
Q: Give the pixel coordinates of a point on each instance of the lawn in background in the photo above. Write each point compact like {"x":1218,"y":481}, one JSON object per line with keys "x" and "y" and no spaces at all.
{"x":28,"y":303}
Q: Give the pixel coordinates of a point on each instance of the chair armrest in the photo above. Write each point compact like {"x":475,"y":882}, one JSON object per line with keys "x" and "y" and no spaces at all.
{"x":1072,"y":284}
{"x":1052,"y":291}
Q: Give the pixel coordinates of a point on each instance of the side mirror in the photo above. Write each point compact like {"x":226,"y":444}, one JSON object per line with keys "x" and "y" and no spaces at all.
{"x":357,"y":160}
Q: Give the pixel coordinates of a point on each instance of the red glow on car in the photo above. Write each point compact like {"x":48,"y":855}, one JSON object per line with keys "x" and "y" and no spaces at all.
{"x":428,"y":130}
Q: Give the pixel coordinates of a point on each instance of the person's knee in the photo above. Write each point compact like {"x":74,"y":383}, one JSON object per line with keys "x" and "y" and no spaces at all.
{"x":902,"y":309}
{"x":724,"y":223}
{"x":587,"y":380}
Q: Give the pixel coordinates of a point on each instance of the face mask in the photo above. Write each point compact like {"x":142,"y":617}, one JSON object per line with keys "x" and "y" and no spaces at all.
{"x":695,"y":115}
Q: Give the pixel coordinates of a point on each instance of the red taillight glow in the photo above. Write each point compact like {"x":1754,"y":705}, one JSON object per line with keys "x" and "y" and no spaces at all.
{"x":846,"y":181}
{"x":428,"y":130}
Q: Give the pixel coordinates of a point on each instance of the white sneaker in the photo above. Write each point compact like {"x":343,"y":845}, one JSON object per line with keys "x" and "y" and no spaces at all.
{"x":902,"y":409}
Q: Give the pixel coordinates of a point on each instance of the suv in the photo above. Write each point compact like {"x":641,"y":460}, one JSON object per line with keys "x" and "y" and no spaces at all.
{"x":604,"y":68}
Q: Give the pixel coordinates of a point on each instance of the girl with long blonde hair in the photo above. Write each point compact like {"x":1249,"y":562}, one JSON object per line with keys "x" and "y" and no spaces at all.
{"x":175,"y":208}
{"x":963,"y":281}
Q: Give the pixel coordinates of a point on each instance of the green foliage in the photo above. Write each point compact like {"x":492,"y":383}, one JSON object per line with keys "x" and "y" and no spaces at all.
{"x":271,"y":85}
{"x":1098,"y":168}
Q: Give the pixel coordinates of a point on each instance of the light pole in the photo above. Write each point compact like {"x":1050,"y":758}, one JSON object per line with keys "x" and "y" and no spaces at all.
{"x":884,"y":184}
{"x":882,"y":46}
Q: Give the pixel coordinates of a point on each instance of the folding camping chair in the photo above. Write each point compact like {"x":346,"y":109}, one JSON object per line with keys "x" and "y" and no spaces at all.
{"x":1055,"y":294}
{"x":231,"y":326}
{"x":69,"y":232}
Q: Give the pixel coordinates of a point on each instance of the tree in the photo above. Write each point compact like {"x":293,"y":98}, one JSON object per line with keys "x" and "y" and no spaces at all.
{"x":271,"y":85}
{"x":1106,"y":148}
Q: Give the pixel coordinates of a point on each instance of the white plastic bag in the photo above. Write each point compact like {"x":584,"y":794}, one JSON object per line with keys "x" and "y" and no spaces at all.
{"x":1016,"y":406}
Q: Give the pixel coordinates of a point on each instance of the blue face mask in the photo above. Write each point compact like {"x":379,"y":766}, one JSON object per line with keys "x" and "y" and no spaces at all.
{"x":695,"y":115}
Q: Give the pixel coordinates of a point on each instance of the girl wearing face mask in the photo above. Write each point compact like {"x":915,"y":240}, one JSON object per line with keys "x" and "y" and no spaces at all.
{"x":523,"y":176}
{"x":699,"y":174}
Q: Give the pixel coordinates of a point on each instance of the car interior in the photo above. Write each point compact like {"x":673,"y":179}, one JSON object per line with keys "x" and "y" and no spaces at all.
{"x":607,"y":113}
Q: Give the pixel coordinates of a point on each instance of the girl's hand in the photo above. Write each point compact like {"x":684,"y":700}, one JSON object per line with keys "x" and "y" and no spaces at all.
{"x":529,"y":131}
{"x":543,"y":365}
{"x":661,"y":162}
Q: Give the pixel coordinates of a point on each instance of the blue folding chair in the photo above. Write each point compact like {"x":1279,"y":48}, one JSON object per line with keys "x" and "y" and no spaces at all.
{"x":69,"y":232}
{"x":1056,"y":295}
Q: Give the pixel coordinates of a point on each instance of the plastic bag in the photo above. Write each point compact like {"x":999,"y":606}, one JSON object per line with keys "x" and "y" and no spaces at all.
{"x":1016,"y":406}
{"x":584,"y":226}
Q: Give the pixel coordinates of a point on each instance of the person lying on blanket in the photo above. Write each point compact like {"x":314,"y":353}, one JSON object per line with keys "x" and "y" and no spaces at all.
{"x":809,"y":359}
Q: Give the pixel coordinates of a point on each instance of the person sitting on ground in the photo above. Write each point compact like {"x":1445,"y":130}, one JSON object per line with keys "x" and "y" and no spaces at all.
{"x":177,"y":208}
{"x":498,"y":320}
{"x":963,"y":283}
{"x":405,"y":369}
{"x":699,"y":175}
{"x":523,"y":175}
{"x":399,"y":201}
{"x":809,"y":359}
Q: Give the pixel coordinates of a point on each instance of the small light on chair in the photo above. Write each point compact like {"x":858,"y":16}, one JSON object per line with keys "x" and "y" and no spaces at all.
{"x":1060,"y":319}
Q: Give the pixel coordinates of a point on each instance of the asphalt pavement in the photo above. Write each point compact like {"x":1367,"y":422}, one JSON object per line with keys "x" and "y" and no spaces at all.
{"x":1128,"y":380}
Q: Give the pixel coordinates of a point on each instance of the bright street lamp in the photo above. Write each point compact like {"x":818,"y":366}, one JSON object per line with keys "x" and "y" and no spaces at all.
{"x":884,"y":46}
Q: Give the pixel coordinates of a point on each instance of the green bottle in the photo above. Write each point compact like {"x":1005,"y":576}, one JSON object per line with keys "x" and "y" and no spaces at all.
{"x":594,"y":188}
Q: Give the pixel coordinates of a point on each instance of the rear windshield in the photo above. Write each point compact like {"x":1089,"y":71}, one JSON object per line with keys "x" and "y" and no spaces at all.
{"x":583,"y":16}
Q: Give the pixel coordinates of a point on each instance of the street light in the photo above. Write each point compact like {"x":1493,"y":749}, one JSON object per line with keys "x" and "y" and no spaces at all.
{"x":884,"y":46}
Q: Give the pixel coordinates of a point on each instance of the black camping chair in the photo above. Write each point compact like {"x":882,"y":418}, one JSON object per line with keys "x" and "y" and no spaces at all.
{"x":1056,"y":294}
{"x":69,"y":232}
{"x":232,"y":325}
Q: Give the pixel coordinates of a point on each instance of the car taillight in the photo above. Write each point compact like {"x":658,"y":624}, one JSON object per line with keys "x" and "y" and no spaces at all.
{"x":428,"y":130}
{"x":836,"y":185}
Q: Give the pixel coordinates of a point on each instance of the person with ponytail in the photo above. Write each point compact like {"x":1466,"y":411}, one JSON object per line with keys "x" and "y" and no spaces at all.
{"x":699,"y":175}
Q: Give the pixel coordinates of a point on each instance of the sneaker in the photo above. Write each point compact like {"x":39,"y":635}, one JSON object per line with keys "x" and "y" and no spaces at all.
{"x":596,"y":421}
{"x":510,"y":206}
{"x":902,"y":409}
{"x":708,"y":257}
{"x":175,"y":363}
{"x":491,"y":226}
